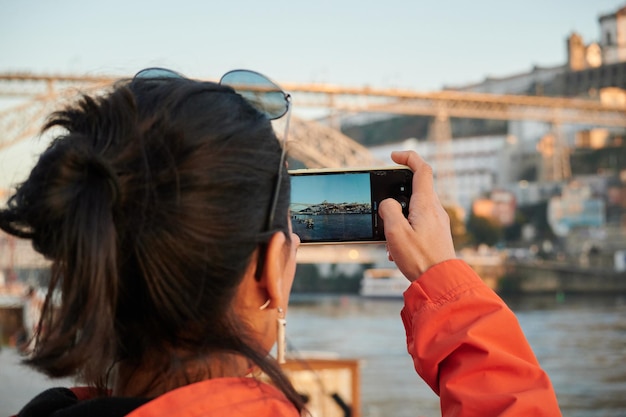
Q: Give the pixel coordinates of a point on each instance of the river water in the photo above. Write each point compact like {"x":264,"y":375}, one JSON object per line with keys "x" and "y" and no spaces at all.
{"x":580,"y":341}
{"x":333,"y":227}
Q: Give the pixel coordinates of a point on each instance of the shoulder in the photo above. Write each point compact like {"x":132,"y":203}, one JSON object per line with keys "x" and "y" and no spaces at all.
{"x":220,"y":396}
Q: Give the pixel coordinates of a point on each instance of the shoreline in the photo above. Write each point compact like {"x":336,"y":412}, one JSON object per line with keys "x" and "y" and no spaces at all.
{"x":557,"y":277}
{"x":19,"y":383}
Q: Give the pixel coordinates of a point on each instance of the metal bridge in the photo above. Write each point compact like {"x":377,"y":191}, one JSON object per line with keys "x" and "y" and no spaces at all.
{"x":318,"y":145}
{"x":315,"y":144}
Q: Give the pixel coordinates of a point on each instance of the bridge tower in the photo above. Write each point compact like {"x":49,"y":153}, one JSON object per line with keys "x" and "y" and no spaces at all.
{"x":555,"y":162}
{"x":439,"y":133}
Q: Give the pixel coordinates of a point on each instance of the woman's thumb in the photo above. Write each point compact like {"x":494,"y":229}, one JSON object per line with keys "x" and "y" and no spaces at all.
{"x":390,"y":211}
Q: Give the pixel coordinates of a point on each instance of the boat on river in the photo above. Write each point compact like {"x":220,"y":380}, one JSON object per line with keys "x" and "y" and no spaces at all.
{"x":383,"y":283}
{"x":388,"y":282}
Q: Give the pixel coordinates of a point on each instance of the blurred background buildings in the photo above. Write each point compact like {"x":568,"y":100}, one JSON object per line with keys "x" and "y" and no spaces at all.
{"x":541,"y":183}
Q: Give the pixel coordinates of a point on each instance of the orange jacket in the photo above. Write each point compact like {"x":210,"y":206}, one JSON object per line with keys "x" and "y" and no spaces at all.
{"x":220,"y":397}
{"x":469,"y":348}
{"x":465,"y":343}
{"x":233,"y":397}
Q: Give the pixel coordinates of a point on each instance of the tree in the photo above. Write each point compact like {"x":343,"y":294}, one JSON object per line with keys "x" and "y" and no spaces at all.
{"x":484,"y":230}
{"x":457,"y":227}
{"x":513,"y":233}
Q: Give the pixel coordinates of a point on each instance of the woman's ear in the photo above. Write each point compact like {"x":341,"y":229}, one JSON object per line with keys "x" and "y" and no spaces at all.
{"x":273,"y":275}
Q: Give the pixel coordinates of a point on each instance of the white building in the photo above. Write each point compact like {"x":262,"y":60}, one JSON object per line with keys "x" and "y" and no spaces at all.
{"x":576,"y":207}
{"x":613,"y":37}
{"x":484,"y":162}
{"x":477,"y":164}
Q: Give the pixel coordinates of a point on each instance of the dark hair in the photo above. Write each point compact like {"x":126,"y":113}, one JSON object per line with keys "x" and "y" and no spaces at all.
{"x":150,"y":206}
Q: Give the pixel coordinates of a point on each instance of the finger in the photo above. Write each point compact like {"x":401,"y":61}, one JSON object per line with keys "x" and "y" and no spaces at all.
{"x":408,"y":158}
{"x":422,"y":171}
{"x":389,"y":257}
{"x":396,"y":226}
{"x":390,"y":211}
{"x":400,"y":237}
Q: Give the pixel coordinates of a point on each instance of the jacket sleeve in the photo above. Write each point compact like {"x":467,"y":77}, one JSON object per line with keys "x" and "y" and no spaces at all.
{"x":469,"y":348}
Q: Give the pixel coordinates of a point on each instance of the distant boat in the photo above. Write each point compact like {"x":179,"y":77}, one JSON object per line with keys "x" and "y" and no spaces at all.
{"x":390,"y":283}
{"x":383,"y":283}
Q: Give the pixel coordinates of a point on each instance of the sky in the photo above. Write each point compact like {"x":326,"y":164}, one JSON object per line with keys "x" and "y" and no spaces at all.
{"x":340,"y":188}
{"x":414,"y":44}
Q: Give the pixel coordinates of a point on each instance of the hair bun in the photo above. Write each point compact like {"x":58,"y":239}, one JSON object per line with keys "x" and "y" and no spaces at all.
{"x":70,"y":179}
{"x":80,"y":169}
{"x":97,"y":168}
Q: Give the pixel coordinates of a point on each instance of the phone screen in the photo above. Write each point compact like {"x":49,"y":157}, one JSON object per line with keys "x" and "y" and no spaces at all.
{"x":342,"y":206}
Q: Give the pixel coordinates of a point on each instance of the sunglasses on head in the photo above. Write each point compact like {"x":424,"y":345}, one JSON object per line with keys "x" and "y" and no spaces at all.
{"x":262,"y":93}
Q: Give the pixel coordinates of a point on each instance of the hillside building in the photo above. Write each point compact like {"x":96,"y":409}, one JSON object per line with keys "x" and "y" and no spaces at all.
{"x":532,"y":158}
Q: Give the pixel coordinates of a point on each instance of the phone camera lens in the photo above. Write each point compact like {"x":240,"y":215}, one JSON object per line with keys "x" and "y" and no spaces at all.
{"x":404,"y":202}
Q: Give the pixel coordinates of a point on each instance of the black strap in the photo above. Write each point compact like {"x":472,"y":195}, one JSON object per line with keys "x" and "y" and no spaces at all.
{"x":61,"y":402}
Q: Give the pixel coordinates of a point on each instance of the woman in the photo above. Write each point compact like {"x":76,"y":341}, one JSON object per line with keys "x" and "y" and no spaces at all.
{"x":153,"y":206}
{"x":164,"y":209}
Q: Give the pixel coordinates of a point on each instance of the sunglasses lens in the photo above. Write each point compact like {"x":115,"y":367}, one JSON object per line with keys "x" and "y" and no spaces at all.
{"x":157,"y":73}
{"x":261,"y":92}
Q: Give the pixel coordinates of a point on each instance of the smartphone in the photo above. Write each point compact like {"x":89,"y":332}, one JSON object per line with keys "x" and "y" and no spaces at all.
{"x":341,"y":206}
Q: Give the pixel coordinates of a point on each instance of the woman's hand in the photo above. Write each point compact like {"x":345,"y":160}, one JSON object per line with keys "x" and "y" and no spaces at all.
{"x":424,"y":239}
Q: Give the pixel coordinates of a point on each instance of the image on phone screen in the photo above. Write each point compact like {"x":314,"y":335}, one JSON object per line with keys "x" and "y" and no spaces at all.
{"x":332,"y":207}
{"x":341,"y":206}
